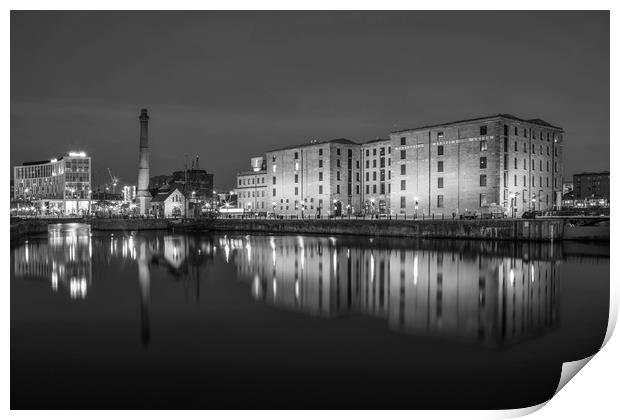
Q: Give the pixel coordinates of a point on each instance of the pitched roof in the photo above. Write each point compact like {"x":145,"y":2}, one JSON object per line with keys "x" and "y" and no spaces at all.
{"x":163,"y":194}
{"x":314,"y":143}
{"x":536,"y":121}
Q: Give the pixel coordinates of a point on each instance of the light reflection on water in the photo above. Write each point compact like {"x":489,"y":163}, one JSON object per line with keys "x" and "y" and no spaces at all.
{"x":486,"y":293}
{"x":454,"y":315}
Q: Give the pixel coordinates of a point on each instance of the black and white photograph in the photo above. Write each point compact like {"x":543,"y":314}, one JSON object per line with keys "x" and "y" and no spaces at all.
{"x":306,"y":209}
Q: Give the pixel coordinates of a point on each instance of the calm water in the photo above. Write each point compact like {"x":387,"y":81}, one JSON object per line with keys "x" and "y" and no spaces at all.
{"x":159,"y":320}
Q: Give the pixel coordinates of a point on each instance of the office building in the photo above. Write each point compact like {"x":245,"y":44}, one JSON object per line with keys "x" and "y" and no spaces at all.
{"x":58,"y":186}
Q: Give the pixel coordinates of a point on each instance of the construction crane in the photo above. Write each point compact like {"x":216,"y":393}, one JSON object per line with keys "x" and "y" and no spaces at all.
{"x":114,"y":181}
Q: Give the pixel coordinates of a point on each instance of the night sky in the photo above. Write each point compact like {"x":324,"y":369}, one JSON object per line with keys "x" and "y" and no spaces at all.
{"x":230,"y":85}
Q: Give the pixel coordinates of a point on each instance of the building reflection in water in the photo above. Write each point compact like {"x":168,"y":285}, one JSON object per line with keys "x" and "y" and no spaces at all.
{"x":64,"y":260}
{"x":495,"y":296}
{"x":67,"y":262}
{"x":488,"y":293}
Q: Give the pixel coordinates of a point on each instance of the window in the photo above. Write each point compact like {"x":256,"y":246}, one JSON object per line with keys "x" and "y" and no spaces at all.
{"x":274,"y":169}
{"x":337,"y":189}
{"x":540,"y":165}
{"x":547,"y":150}
{"x":403,"y":185}
{"x":440,"y":166}
{"x":483,"y":130}
{"x":524,"y":181}
{"x":296,"y":190}
{"x":273,"y":192}
{"x":320,"y":152}
{"x":483,"y":200}
{"x":338,"y":163}
{"x":367,"y":176}
{"x":274,"y":180}
{"x":320,"y":189}
{"x":533,"y":150}
{"x":515,"y":181}
{"x":350,"y":153}
{"x":296,"y":155}
{"x":273,"y":158}
{"x":440,"y":135}
{"x":403,"y":141}
{"x":338,"y":175}
{"x":547,"y":166}
{"x":505,"y":130}
{"x":516,"y":147}
{"x":516,"y":165}
{"x":541,"y":149}
{"x":374,"y":189}
{"x":403,"y":169}
{"x":374,"y":163}
{"x":320,"y":176}
{"x":516,"y":131}
{"x":440,"y":150}
{"x":320,"y":163}
{"x":483,"y":162}
{"x":374,"y":175}
{"x":524,"y":132}
{"x":403,"y":154}
{"x":338,"y":152}
{"x":483,"y":145}
{"x":402,"y":202}
{"x":439,"y":182}
{"x":296,"y":178}
{"x":367,"y":189}
{"x":483,"y":180}
{"x":440,"y":201}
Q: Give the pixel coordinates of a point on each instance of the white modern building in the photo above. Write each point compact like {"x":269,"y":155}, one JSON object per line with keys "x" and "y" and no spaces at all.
{"x":57,"y":186}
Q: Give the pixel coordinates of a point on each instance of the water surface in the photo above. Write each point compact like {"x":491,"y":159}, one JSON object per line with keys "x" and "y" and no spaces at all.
{"x":160,"y":320}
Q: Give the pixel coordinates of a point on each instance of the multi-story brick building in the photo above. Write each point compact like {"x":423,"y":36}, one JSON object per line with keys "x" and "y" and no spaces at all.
{"x":58,"y":186}
{"x":251,"y":189}
{"x":591,"y":186}
{"x":318,"y":178}
{"x":493,"y":163}
{"x":472,"y":164}
{"x":377,"y":173}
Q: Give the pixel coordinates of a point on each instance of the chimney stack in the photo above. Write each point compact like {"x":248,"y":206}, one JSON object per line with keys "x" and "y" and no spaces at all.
{"x":143,"y":196}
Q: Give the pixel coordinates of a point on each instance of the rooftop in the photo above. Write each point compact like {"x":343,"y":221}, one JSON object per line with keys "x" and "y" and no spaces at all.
{"x":536,"y":121}
{"x":375,"y":141}
{"x":592,"y":173}
{"x":314,"y":143}
{"x":163,"y":194}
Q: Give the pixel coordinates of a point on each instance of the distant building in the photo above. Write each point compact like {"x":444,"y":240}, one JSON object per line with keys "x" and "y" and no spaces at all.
{"x":58,"y":186}
{"x":251,"y":189}
{"x":567,"y":187}
{"x":169,"y":203}
{"x":196,"y":184}
{"x":129,"y":193}
{"x":592,"y":187}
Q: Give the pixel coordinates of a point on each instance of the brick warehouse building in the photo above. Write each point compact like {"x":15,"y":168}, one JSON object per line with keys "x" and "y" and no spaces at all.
{"x":456,"y":167}
{"x":318,"y":178}
{"x":471,"y":164}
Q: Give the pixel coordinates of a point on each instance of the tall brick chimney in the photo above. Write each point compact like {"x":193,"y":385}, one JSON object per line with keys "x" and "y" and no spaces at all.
{"x":143,"y":196}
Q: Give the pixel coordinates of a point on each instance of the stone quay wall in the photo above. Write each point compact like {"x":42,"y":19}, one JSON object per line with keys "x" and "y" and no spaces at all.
{"x":520,"y":230}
